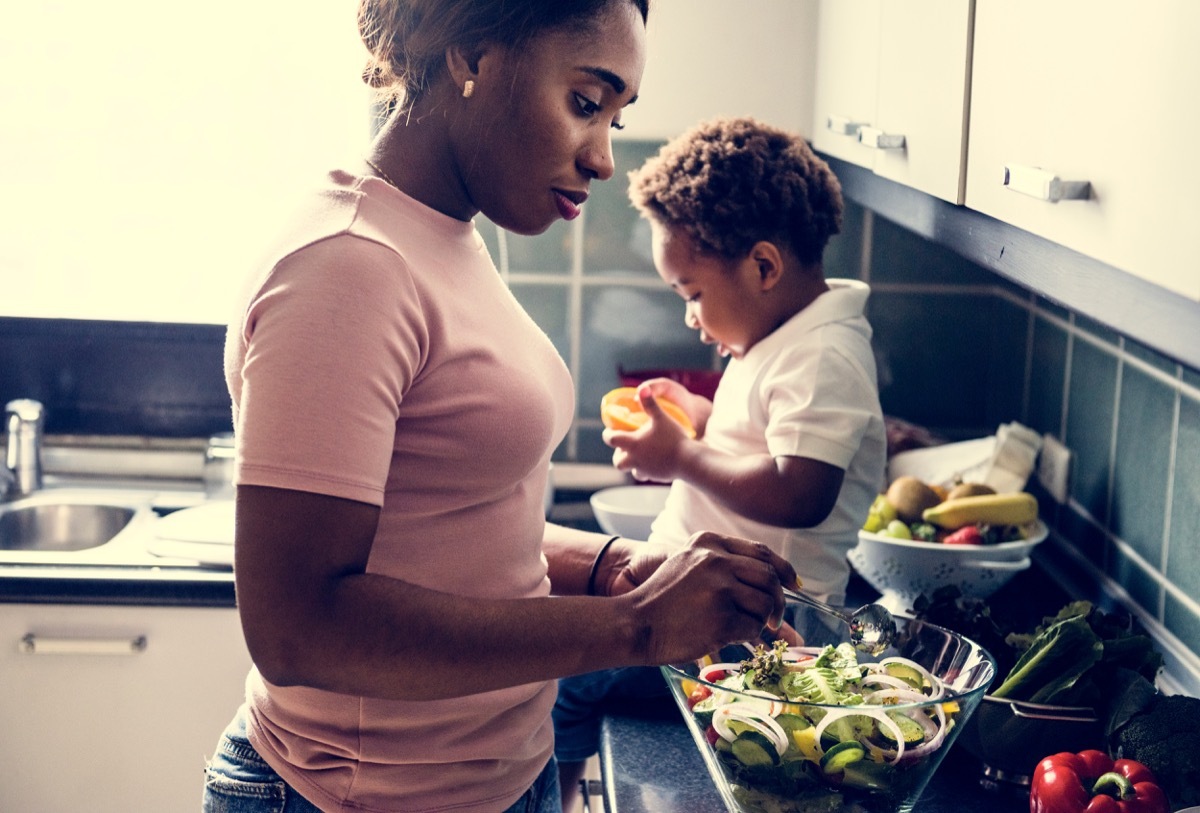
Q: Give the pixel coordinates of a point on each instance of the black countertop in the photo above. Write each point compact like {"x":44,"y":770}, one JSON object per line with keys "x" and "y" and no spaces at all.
{"x":145,"y":586}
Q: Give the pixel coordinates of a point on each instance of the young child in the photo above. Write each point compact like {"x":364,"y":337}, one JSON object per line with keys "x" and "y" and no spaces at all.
{"x":791,"y":450}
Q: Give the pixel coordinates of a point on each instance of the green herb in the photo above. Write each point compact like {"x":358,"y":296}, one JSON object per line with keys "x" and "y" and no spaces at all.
{"x":766,"y":666}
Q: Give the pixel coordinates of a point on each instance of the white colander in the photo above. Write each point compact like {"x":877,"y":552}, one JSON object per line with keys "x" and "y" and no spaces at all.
{"x":902,"y":569}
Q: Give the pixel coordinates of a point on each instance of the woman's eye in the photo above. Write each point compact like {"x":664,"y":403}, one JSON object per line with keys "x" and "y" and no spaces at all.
{"x":586,"y":106}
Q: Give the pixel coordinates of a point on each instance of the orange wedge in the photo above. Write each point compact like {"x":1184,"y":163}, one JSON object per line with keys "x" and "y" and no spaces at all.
{"x":620,"y":409}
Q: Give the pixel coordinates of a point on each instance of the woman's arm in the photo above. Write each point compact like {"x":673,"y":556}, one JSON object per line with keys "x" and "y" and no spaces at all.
{"x":312,"y":615}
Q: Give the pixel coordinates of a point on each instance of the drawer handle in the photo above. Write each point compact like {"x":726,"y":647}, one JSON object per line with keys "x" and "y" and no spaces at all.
{"x":841,"y":125}
{"x":33,"y":645}
{"x":877,"y":139}
{"x":1044,"y":185}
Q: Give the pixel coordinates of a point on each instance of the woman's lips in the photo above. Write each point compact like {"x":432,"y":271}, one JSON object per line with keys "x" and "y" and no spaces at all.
{"x":569,"y":203}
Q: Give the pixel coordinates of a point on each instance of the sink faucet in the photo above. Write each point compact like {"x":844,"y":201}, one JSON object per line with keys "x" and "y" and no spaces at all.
{"x":23,"y":420}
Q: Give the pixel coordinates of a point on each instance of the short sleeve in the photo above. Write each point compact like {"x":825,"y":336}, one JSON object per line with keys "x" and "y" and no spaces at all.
{"x":333,"y":340}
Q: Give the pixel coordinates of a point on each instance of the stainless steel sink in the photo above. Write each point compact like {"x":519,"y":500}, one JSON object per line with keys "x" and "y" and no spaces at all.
{"x":106,"y":524}
{"x":50,"y":526}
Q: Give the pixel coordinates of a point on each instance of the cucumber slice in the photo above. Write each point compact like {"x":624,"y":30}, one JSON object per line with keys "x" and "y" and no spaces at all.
{"x":846,"y":729}
{"x":906,"y":673}
{"x":704,"y":710}
{"x":792,"y":722}
{"x":839,"y":756}
{"x":753,"y":749}
{"x":912,"y":731}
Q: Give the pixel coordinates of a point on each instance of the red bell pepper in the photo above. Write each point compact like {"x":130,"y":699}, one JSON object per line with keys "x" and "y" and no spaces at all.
{"x":1091,"y":782}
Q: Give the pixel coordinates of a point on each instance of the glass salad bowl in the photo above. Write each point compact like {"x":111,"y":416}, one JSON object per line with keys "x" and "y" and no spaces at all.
{"x":822,"y":727}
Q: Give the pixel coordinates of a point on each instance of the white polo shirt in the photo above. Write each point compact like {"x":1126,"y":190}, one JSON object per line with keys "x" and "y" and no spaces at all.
{"x":809,"y":389}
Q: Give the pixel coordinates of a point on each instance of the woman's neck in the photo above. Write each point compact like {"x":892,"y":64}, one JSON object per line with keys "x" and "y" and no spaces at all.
{"x":413,"y":153}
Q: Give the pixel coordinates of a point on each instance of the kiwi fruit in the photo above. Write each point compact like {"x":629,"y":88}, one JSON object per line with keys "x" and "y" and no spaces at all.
{"x":910,"y":497}
{"x":969,"y":490}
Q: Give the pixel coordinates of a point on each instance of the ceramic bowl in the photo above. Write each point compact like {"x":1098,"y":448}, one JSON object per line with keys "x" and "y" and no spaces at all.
{"x":902,"y":569}
{"x":629,"y":510}
{"x":803,"y":768}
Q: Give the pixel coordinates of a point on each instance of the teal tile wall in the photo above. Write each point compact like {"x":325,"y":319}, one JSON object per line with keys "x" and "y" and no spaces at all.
{"x":960,"y":350}
{"x":947,"y":330}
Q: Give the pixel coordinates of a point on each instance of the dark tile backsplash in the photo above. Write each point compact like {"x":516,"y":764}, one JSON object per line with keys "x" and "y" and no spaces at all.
{"x":960,"y":350}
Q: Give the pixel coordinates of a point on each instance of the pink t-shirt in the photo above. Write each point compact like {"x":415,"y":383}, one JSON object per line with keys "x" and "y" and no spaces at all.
{"x":380,"y":358}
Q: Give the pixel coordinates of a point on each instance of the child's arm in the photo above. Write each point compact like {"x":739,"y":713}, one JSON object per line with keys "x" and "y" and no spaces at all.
{"x":786,"y":491}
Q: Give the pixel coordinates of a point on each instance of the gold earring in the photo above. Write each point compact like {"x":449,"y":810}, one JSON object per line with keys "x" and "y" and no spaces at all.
{"x":468,"y":88}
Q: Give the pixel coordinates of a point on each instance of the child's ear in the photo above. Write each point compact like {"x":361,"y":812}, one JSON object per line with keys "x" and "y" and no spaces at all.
{"x":769,"y":261}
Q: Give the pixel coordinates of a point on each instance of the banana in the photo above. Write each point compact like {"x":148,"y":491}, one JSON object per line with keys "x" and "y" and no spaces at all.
{"x":994,"y":509}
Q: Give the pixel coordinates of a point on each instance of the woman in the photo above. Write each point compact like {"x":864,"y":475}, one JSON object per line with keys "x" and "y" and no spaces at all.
{"x":395,"y":411}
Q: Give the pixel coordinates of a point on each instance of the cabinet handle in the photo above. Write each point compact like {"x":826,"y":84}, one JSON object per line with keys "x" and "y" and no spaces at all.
{"x":1044,"y":185}
{"x":33,"y":645}
{"x":841,"y":125}
{"x":877,"y":139}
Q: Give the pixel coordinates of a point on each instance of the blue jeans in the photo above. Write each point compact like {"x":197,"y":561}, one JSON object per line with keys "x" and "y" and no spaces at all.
{"x":583,"y":700}
{"x":238,"y":780}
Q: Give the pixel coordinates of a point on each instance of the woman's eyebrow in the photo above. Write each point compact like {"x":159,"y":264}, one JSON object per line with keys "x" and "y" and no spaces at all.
{"x":610,"y":78}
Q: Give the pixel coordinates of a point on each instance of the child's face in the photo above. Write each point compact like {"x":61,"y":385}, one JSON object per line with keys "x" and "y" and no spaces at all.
{"x":723,"y":297}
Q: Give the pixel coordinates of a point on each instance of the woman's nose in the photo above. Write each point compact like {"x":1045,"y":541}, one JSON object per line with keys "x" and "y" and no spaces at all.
{"x":689,"y":317}
{"x":596,"y":159}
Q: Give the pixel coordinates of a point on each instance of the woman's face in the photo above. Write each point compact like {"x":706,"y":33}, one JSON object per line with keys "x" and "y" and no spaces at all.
{"x":723,"y":298}
{"x":539,"y":124}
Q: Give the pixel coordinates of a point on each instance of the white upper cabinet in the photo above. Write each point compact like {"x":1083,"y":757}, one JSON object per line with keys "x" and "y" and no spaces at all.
{"x":710,"y":58}
{"x":1092,"y":98}
{"x":892,"y":83}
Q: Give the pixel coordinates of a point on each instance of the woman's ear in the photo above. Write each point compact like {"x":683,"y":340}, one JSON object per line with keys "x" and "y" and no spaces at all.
{"x":768,"y":259}
{"x":462,"y":65}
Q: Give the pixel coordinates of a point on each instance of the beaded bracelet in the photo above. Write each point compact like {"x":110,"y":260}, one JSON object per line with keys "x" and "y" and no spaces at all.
{"x":591,"y":583}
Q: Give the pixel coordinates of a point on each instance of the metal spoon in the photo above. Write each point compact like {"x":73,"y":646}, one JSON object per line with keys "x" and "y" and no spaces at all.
{"x":872,"y":627}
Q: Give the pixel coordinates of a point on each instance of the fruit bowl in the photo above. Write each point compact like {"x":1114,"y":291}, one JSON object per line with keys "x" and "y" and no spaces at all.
{"x":767,"y":754}
{"x":902,"y":569}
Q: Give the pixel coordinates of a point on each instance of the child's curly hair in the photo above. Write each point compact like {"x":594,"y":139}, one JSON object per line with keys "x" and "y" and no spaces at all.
{"x":731,"y":182}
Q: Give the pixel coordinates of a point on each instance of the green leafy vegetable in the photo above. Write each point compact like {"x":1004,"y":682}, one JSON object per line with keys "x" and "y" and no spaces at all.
{"x":1055,"y":660}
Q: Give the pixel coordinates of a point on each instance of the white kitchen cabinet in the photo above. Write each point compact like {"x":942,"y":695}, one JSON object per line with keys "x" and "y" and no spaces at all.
{"x":1095,"y":91}
{"x":892,"y":86}
{"x":114,"y":709}
{"x":709,"y":58}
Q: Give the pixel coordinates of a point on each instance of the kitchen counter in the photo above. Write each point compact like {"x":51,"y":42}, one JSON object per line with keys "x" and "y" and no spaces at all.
{"x":149,"y":586}
{"x":650,"y":764}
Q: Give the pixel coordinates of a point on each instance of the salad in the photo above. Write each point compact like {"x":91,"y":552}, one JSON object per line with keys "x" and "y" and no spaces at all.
{"x":807,"y":729}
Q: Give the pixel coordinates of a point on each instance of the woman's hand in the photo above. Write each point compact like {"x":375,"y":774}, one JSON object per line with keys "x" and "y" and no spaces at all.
{"x":717,"y":590}
{"x":628,"y":564}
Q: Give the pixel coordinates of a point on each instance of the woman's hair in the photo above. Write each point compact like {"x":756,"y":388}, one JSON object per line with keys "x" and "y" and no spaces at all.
{"x":731,"y":182}
{"x":407,"y":39}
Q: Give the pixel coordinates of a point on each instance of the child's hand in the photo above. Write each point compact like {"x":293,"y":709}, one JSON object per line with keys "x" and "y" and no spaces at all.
{"x":697,"y":407}
{"x":652,"y":452}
